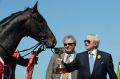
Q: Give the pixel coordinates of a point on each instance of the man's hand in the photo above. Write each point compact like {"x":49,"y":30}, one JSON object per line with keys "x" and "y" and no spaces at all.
{"x":59,"y":61}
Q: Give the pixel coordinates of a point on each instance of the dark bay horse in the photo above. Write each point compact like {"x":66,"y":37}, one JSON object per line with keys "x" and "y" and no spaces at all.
{"x":24,"y":23}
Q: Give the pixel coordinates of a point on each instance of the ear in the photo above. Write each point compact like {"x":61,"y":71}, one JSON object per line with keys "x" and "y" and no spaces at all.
{"x":35,"y":7}
{"x":95,"y":43}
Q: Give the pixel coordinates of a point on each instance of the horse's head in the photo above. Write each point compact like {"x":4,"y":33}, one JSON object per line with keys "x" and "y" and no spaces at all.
{"x":37,"y":28}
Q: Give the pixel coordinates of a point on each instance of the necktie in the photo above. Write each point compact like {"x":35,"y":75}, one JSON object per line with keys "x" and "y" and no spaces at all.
{"x":67,"y":60}
{"x":91,"y":62}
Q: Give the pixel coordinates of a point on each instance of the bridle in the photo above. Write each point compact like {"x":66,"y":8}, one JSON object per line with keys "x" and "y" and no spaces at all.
{"x":36,"y":47}
{"x":39,"y":47}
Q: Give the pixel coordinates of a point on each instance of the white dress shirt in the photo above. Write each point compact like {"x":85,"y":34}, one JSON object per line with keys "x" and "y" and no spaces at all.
{"x":94,"y":53}
{"x":71,"y":59}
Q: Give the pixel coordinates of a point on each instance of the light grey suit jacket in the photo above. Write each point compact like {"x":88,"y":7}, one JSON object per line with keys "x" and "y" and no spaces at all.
{"x":50,"y":73}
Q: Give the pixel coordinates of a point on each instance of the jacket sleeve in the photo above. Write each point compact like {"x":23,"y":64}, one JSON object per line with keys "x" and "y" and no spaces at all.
{"x":50,"y":69}
{"x":73,"y":65}
{"x":110,"y":67}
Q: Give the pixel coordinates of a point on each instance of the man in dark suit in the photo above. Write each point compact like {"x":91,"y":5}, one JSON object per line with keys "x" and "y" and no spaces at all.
{"x":93,"y":63}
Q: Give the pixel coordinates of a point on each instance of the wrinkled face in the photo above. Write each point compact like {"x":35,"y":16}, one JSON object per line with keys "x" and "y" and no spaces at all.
{"x":38,"y":29}
{"x":69,"y":45}
{"x":89,"y":43}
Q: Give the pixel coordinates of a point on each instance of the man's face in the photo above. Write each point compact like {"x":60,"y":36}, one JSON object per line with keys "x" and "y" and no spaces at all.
{"x":89,"y":43}
{"x":69,"y":45}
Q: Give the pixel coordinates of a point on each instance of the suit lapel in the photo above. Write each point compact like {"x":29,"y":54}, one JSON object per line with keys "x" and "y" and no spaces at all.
{"x":96,"y":61}
{"x":86,"y":56}
{"x":74,"y":73}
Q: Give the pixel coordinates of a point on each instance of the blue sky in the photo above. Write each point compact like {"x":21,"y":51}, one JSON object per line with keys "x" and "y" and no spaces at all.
{"x":76,"y":17}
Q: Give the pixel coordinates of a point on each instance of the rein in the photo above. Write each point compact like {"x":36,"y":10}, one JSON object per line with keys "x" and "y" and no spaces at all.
{"x":38,"y":46}
{"x":41,"y":46}
{"x":30,"y":48}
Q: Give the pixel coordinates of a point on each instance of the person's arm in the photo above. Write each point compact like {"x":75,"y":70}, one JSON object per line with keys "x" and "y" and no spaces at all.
{"x":110,"y":67}
{"x":50,"y":71}
{"x":73,"y":65}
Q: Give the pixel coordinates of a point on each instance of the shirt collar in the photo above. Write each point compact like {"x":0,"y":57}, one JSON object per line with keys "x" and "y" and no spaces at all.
{"x":93,"y":51}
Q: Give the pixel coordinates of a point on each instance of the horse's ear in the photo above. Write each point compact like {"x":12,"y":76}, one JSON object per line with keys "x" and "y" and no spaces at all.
{"x":35,"y":7}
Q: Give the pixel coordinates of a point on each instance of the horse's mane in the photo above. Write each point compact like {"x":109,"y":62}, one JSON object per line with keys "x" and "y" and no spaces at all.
{"x":11,"y":17}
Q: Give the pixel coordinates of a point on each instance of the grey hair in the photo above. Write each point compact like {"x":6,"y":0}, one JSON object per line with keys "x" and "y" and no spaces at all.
{"x":96,"y":39}
{"x":69,"y":37}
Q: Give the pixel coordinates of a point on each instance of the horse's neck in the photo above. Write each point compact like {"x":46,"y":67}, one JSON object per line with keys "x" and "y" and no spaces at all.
{"x":10,"y":37}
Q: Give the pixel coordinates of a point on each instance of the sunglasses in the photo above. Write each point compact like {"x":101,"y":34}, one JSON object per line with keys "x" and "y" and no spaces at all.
{"x":69,"y":44}
{"x":88,"y":41}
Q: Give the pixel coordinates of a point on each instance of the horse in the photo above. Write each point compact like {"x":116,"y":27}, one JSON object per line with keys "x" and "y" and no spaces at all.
{"x":28,"y":22}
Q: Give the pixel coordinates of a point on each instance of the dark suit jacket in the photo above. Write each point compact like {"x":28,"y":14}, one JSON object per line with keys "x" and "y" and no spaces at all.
{"x":102,"y":66}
